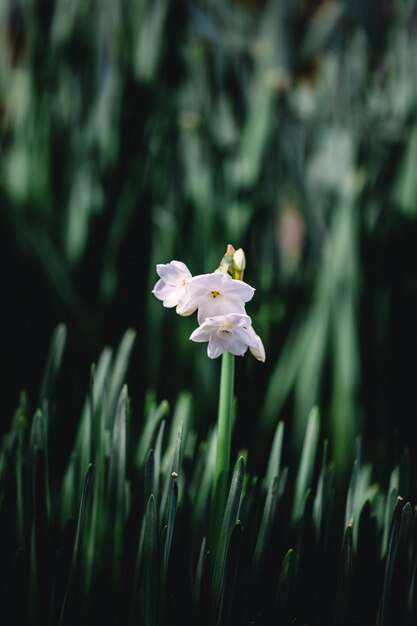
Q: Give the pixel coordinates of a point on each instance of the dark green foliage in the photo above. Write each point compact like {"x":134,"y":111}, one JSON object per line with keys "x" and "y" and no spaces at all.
{"x":128,"y":542}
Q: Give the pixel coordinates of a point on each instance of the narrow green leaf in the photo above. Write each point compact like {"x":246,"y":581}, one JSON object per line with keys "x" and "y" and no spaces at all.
{"x":172,"y":509}
{"x":285,"y":582}
{"x":166,"y":543}
{"x":149,"y":570}
{"x":172,"y":474}
{"x":72,"y":571}
{"x":385,"y":603}
{"x":157,"y":459}
{"x":267,"y":521}
{"x":149,"y":475}
{"x":200,"y":488}
{"x":231,"y":574}
{"x":40,"y":516}
{"x":118,"y":373}
{"x":156,"y":414}
{"x":89,"y":443}
{"x":116,"y":482}
{"x":308,"y":457}
{"x":321,"y":492}
{"x":342,"y":615}
{"x":229,"y":520}
{"x":198,"y":580}
{"x":53,"y":363}
{"x":274,"y":462}
{"x":181,"y":417}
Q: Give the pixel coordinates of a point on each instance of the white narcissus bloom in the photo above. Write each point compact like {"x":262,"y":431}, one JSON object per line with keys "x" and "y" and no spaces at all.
{"x":258,"y":351}
{"x":214,"y":294}
{"x":170,"y":287}
{"x":227,"y":333}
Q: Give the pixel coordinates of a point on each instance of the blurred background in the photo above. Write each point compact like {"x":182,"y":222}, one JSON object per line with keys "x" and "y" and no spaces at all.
{"x":134,"y":132}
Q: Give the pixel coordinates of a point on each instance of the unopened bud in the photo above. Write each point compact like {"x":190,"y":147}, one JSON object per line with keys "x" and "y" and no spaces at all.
{"x":238,"y":264}
{"x":226,"y":262}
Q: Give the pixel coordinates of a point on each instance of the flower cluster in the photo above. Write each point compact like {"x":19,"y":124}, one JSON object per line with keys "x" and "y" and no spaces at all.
{"x":219,"y":300}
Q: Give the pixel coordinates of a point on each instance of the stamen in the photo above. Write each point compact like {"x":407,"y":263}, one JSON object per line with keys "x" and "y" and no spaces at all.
{"x":214,"y":294}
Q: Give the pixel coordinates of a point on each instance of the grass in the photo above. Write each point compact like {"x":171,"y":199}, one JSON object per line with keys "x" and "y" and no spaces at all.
{"x":123,"y":534}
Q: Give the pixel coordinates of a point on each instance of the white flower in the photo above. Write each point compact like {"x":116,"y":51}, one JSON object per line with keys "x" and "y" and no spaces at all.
{"x":174,"y":277}
{"x":227,"y":333}
{"x":214,"y":294}
{"x":258,"y":351}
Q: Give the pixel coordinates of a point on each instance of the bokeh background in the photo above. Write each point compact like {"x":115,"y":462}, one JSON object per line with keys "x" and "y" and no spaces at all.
{"x":134,"y":132}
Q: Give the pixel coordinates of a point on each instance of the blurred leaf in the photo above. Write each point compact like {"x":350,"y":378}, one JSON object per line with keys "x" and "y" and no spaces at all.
{"x":149,"y":19}
{"x":156,"y":413}
{"x":229,"y":521}
{"x":72,"y":568}
{"x":274,"y":462}
{"x":393,"y":604}
{"x":307,"y":461}
{"x":404,"y":192}
{"x":149,"y":582}
{"x":53,"y":363}
{"x":285,"y":582}
{"x":344,"y":584}
{"x":118,"y":373}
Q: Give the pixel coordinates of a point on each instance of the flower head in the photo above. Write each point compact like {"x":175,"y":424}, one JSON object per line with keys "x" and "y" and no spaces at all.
{"x":220,"y":299}
{"x":170,"y":287}
{"x":214,"y":294}
{"x":227,"y":333}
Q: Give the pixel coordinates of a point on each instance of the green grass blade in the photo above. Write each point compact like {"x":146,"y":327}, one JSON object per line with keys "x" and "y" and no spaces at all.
{"x":308,"y":457}
{"x":200,"y":488}
{"x":267,"y":521}
{"x":172,"y":509}
{"x":72,"y":570}
{"x":232,"y":571}
{"x":344,"y":584}
{"x":197,"y":588}
{"x":53,"y":363}
{"x":116,"y":496}
{"x":149,"y":475}
{"x":283,"y":595}
{"x":173,"y":473}
{"x":118,"y":373}
{"x":166,"y":544}
{"x":274,"y":462}
{"x":156,"y":414}
{"x":229,"y":521}
{"x":157,"y":459}
{"x":385,"y":602}
{"x":149,"y":569}
{"x":40,"y":515}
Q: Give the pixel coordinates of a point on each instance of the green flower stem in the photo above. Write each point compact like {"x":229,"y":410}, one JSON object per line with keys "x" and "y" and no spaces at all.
{"x":224,"y":436}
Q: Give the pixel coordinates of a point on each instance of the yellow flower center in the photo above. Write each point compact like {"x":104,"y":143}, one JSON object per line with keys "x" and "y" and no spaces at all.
{"x":215,"y":294}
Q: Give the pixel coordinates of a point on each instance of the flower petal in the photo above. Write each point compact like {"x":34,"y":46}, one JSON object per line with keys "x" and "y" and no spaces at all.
{"x":214,"y":294}
{"x":226,"y":333}
{"x":170,"y":287}
{"x":257,"y":348}
{"x":173,"y":270}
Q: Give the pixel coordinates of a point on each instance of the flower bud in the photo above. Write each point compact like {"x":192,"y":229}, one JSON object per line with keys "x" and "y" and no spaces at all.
{"x":238,"y":264}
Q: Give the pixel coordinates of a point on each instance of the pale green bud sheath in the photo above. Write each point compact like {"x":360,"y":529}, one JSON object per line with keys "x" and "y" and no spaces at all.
{"x":226,"y":262}
{"x":238,"y":264}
